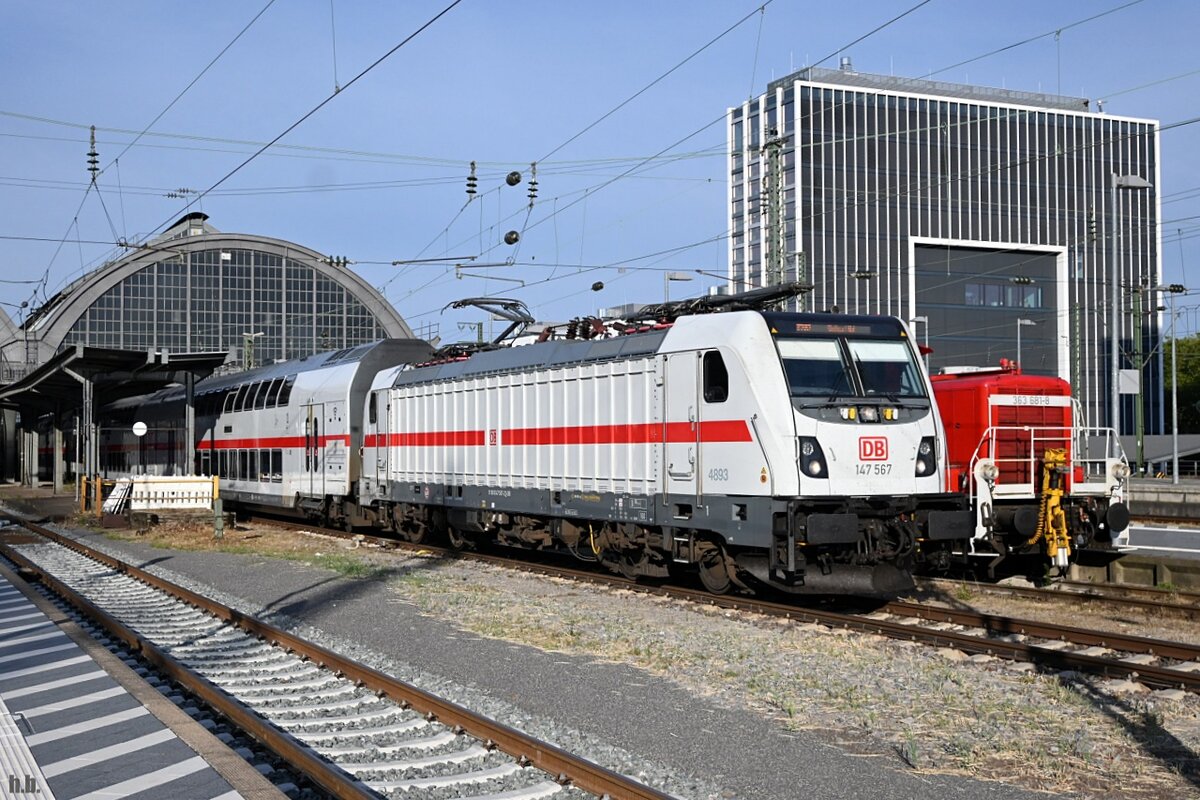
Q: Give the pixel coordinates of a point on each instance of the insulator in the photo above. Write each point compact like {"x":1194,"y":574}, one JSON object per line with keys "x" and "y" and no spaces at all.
{"x":472,"y":181}
{"x":513,"y":178}
{"x":512,"y":237}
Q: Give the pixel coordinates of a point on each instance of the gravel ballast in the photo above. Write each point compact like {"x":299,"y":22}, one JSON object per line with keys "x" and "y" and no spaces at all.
{"x":703,"y":702}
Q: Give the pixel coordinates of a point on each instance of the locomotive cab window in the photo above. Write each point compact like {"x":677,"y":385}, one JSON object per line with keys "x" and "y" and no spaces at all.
{"x":815,"y":368}
{"x":886,"y":368}
{"x":716,"y":378}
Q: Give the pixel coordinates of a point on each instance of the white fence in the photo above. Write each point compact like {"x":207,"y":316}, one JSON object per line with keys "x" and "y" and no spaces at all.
{"x":170,"y":493}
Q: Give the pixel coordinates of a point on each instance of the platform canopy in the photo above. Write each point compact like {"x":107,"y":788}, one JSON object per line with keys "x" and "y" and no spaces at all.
{"x":58,"y":384}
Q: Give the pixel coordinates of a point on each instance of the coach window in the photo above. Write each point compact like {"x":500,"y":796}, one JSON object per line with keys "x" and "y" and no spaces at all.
{"x":285,"y":393}
{"x":371,"y":413}
{"x":277,"y":466}
{"x":260,"y":400}
{"x":228,"y":404}
{"x":243,"y":471}
{"x":716,"y":378}
{"x":273,"y":392}
{"x":239,"y":400}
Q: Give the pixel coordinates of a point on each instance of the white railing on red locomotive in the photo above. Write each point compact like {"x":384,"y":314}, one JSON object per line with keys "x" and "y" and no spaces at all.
{"x":1016,"y":451}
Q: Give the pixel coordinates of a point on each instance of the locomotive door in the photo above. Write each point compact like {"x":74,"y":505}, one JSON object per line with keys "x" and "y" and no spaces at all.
{"x":681,"y":424}
{"x":314,"y":452}
{"x":379,"y":423}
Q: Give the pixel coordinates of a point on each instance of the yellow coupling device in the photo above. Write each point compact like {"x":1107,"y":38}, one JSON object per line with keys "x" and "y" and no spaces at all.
{"x":1052,"y":520}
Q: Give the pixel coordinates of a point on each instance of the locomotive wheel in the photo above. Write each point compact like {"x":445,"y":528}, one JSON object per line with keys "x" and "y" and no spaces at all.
{"x":458,"y":540}
{"x":714,"y":572}
{"x":627,"y":567}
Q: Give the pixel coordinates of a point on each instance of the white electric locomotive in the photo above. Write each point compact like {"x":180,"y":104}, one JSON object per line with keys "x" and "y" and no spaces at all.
{"x":800,"y":450}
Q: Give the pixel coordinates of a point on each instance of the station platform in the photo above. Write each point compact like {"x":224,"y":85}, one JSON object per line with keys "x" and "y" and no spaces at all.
{"x":77,"y":722}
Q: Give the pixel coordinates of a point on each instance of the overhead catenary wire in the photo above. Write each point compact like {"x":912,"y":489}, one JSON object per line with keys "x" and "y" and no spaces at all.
{"x":425,"y":26}
{"x":556,"y":221}
{"x":97,"y":172}
{"x":1031,"y":39}
{"x":706,"y":126}
{"x":192,"y":83}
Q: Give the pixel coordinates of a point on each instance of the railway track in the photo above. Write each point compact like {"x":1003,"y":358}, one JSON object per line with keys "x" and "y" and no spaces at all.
{"x":1156,"y":663}
{"x":1184,"y":605}
{"x":353,"y":731}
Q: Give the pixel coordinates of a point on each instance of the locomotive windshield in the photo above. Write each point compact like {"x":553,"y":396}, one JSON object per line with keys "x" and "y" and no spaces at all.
{"x":839,"y":367}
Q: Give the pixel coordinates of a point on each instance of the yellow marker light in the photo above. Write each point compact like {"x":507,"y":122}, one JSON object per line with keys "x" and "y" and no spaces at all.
{"x":889,"y":413}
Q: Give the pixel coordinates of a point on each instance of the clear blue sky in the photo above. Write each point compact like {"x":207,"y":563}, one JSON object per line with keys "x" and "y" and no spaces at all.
{"x":379,"y":173}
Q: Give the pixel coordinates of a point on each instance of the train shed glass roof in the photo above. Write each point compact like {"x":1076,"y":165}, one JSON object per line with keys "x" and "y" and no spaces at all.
{"x":197,"y":289}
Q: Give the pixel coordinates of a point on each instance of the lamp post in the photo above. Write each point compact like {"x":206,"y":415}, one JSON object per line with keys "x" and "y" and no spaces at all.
{"x":1172,"y":290}
{"x":1127,"y":182}
{"x":1021,"y":323}
{"x":672,"y":276}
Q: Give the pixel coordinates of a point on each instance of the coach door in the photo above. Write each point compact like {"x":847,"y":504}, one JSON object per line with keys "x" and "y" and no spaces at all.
{"x":314,"y":452}
{"x":681,"y":430}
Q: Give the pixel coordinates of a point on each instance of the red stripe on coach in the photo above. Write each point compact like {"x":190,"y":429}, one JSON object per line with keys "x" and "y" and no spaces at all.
{"x":271,"y":442}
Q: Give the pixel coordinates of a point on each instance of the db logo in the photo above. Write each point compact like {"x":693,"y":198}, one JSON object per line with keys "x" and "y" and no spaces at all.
{"x":872,"y":448}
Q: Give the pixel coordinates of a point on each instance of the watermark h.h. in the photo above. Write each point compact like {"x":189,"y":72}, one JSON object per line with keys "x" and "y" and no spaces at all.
{"x":18,"y":786}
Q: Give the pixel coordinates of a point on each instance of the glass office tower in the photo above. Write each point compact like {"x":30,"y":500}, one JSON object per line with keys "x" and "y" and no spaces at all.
{"x":962,"y":210}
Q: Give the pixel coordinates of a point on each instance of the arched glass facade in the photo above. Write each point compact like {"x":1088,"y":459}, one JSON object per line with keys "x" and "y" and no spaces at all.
{"x":211,"y":299}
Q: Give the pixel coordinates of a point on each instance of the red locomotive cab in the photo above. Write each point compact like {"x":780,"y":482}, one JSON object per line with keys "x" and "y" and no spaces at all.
{"x":1008,"y":417}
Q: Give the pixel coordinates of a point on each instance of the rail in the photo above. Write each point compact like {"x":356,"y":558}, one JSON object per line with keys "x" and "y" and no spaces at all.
{"x":1001,"y":637}
{"x":579,"y":772}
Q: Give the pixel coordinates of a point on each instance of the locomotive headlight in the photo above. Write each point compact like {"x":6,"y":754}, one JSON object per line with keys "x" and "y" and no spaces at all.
{"x":926,"y":457}
{"x":868,"y":414}
{"x":1120,"y":471}
{"x":848,"y":413}
{"x":812,"y":458}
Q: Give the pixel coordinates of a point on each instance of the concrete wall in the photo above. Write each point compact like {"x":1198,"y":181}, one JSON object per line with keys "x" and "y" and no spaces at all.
{"x":1161,"y":498}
